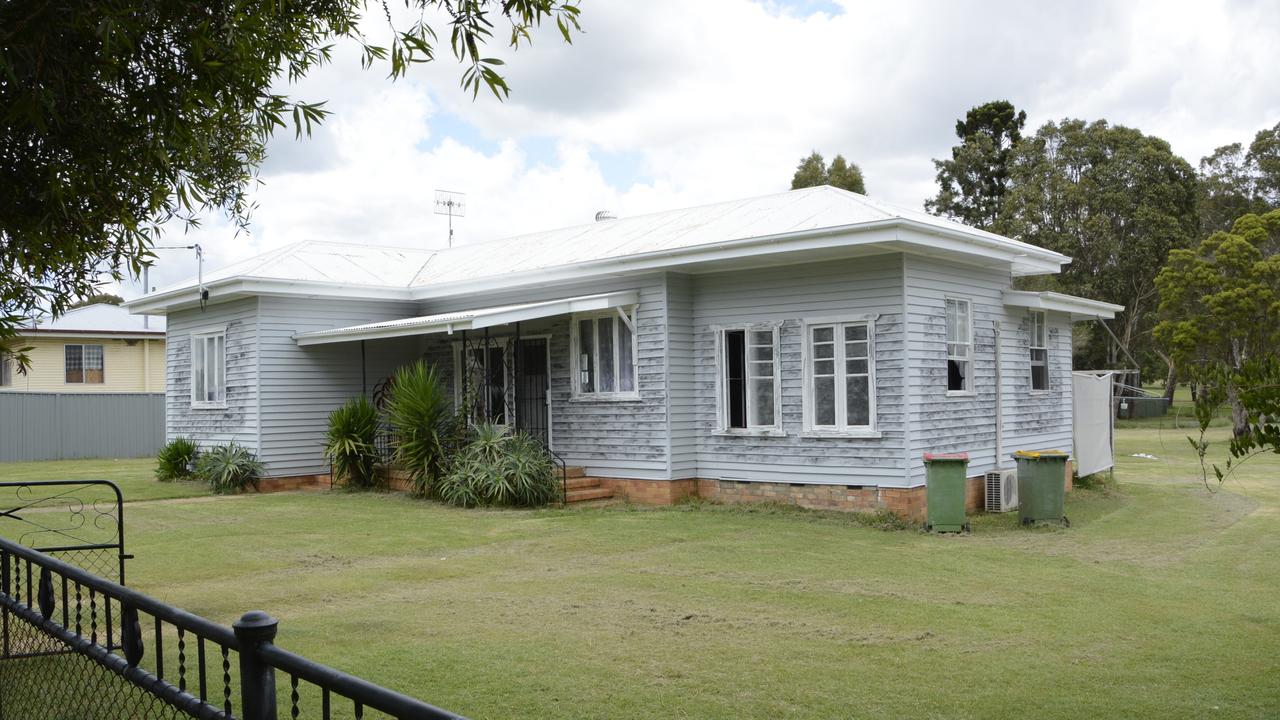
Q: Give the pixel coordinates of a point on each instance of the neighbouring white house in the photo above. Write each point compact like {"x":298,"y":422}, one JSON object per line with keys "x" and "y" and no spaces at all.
{"x":806,"y":346}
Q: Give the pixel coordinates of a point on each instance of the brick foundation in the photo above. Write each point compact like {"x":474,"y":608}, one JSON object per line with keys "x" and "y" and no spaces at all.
{"x":293,"y":482}
{"x":651,"y":492}
{"x":909,"y":503}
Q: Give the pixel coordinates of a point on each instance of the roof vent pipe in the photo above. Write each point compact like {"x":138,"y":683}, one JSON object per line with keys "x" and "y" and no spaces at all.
{"x":605,"y":215}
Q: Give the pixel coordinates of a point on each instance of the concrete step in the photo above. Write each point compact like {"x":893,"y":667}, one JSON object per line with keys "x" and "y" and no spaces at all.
{"x":581,"y":483}
{"x":586,"y":494}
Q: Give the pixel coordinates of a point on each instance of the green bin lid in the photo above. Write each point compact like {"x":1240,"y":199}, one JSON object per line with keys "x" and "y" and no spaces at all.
{"x":1038,"y":454}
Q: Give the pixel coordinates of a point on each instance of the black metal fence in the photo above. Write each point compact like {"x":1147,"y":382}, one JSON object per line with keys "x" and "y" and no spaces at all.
{"x":56,"y":659}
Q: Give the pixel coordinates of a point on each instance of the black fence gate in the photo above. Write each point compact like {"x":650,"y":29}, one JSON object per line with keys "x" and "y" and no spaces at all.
{"x":75,"y":645}
{"x":79,"y":521}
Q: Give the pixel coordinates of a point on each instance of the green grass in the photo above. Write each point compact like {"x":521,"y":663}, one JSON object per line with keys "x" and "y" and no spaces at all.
{"x":135,"y":476}
{"x":1160,"y":600}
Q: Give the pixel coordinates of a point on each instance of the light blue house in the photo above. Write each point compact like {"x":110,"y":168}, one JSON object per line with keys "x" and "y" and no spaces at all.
{"x":809,"y":345}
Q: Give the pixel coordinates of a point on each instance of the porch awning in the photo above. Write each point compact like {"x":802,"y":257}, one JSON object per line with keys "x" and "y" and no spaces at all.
{"x":469,"y":319}
{"x":1079,"y":308}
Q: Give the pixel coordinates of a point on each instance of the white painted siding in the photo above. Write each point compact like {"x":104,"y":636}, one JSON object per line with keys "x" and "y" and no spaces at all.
{"x":1036,"y":420}
{"x":940,"y":423}
{"x":681,"y":381}
{"x":789,"y":294}
{"x":608,"y":438}
{"x":239,"y":420}
{"x":302,"y":385}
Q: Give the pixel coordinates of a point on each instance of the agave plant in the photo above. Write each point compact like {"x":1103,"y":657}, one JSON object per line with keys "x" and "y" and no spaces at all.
{"x":350,"y":443}
{"x":500,"y":469}
{"x":229,"y":468}
{"x":175,"y":459}
{"x":420,"y":412}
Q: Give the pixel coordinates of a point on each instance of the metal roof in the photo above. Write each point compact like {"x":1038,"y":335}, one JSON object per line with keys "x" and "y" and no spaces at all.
{"x":477,"y":319}
{"x":657,"y":238}
{"x":102,"y":318}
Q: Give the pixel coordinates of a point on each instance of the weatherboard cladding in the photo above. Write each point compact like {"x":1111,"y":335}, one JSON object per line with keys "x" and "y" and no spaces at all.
{"x":238,"y":421}
{"x":1038,"y":420}
{"x":682,"y":388}
{"x":626,"y":438}
{"x":943,"y":423}
{"x":302,"y":385}
{"x":788,"y":295}
{"x":671,"y":430}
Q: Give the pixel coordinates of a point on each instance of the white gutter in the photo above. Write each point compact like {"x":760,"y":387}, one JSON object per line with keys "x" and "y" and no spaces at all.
{"x":1077,"y":307}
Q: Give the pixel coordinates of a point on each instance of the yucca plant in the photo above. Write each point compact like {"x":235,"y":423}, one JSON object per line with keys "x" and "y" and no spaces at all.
{"x":420,"y":412}
{"x":229,"y":468}
{"x":350,"y":443}
{"x":500,"y":469}
{"x":175,"y":459}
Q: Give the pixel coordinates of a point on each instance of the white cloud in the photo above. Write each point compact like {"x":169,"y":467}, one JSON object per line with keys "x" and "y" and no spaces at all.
{"x":720,"y":98}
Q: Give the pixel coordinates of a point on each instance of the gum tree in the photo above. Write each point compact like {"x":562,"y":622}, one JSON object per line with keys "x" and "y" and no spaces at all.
{"x":1220,"y":310}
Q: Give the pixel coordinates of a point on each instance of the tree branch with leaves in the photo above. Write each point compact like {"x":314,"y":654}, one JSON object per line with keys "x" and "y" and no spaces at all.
{"x":119,"y":116}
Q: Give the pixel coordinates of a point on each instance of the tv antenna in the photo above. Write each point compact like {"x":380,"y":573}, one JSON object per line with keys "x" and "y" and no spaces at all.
{"x":203,"y":294}
{"x":453,"y":204}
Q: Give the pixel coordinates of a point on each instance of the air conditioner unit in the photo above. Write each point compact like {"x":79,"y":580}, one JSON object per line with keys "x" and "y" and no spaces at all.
{"x":1002,"y":491}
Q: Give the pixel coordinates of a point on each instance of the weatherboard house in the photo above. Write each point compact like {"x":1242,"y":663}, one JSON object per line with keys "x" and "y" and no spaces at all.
{"x":808,"y":346}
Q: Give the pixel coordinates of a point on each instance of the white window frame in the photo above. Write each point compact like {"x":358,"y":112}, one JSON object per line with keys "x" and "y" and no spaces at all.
{"x":1040,"y":323}
{"x":6,"y":371}
{"x":460,"y":369}
{"x":969,"y":389}
{"x":619,"y":316}
{"x":83,"y":369}
{"x":841,"y":428}
{"x":722,"y":405}
{"x":203,"y":336}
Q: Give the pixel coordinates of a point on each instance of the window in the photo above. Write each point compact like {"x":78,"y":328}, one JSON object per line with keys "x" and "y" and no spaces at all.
{"x":6,"y":372}
{"x":840,"y":371}
{"x":749,"y":379}
{"x":604,"y":355}
{"x":1039,"y":352}
{"x":209,"y":369}
{"x":83,"y":364}
{"x":959,"y":346}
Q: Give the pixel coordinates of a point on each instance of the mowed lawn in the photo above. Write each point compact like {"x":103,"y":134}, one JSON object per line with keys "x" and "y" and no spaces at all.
{"x":1159,"y":601}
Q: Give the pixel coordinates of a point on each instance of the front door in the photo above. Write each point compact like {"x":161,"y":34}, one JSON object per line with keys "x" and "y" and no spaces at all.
{"x":532,"y":377}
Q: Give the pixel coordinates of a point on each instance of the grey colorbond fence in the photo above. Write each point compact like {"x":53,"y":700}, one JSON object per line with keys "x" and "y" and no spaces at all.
{"x":65,"y":426}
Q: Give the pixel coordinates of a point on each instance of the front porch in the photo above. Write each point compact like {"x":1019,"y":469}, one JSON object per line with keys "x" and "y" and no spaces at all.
{"x":578,"y":374}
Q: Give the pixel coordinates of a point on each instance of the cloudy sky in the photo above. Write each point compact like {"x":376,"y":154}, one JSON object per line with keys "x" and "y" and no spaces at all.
{"x":670,"y":103}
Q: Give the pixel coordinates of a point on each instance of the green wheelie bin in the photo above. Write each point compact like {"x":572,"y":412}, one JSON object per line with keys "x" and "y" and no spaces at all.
{"x":944,"y":477}
{"x":1041,"y":485}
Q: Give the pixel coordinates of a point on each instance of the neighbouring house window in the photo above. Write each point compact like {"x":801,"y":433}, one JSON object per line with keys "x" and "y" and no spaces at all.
{"x":749,"y":378}
{"x":1039,"y":352}
{"x":604,"y":355}
{"x":83,"y":364}
{"x":6,"y":372}
{"x":209,"y":369}
{"x":959,"y":346}
{"x":839,"y":391}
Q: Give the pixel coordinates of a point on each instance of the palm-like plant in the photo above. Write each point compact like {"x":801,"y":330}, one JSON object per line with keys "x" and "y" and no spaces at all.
{"x":350,"y":443}
{"x":229,"y":468}
{"x":420,"y":412}
{"x":500,"y":469}
{"x":175,"y":459}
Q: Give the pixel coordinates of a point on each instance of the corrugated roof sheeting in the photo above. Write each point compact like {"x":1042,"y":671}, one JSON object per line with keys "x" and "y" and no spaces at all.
{"x":810,"y":209}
